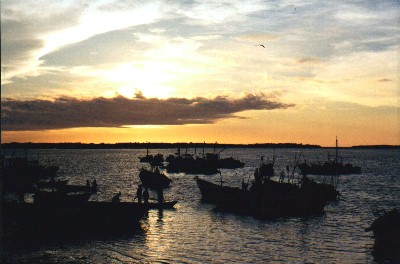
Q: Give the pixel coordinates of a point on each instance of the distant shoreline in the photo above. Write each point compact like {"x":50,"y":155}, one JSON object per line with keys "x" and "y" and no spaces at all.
{"x":136,"y":145}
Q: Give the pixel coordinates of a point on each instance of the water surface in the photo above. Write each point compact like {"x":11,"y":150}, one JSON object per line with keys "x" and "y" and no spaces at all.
{"x":195,"y":233}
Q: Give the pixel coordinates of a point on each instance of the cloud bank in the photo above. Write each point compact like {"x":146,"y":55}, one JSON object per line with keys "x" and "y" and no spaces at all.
{"x":66,"y":112}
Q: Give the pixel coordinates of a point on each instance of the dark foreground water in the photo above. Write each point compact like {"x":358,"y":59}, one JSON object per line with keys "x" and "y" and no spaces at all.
{"x":195,"y":233}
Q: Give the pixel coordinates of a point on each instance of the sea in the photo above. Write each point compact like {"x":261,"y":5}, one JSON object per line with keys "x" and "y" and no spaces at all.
{"x":194,"y":232}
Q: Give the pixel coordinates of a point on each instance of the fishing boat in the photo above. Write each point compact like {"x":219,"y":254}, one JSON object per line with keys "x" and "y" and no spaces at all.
{"x":59,"y":197}
{"x":79,"y":188}
{"x":20,"y":174}
{"x":212,"y":193}
{"x":330,"y":167}
{"x":214,"y":158}
{"x":77,"y":217}
{"x":386,"y":229}
{"x":267,"y":169}
{"x":154,"y":179}
{"x":51,"y":184}
{"x":163,"y":205}
{"x":266,"y":200}
{"x":192,"y":165}
{"x":156,"y":160}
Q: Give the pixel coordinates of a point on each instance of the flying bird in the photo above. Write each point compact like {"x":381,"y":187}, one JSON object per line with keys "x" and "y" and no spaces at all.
{"x":261,"y":45}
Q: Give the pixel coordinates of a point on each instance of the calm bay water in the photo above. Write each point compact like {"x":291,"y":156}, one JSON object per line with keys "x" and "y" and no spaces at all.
{"x":195,"y":233}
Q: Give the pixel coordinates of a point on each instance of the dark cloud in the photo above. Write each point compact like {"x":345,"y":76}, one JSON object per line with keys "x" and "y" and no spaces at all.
{"x":66,"y":112}
{"x":384,"y":80}
{"x":309,"y":60}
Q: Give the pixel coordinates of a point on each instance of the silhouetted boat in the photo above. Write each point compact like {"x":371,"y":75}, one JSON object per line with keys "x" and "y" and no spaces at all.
{"x":163,"y":205}
{"x":192,"y":165}
{"x":230,"y":163}
{"x":57,"y":184}
{"x":386,"y":229}
{"x":267,"y":169}
{"x":330,"y":167}
{"x":156,"y":160}
{"x":205,"y":163}
{"x":212,"y":193}
{"x":22,"y":166}
{"x":60,"y":197}
{"x":323,"y":191}
{"x":223,"y":163}
{"x":19,"y":174}
{"x":154,"y":179}
{"x":78,"y":217}
{"x":79,"y":188}
{"x":269,"y":199}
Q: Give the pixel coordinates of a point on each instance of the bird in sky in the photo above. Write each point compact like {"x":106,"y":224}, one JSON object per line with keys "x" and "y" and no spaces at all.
{"x":261,"y":45}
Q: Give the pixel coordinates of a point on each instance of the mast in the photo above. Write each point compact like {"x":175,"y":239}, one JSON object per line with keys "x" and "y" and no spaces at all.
{"x":336,"y":154}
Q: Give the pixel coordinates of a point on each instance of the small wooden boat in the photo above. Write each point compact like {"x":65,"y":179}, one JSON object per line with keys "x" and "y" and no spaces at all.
{"x":59,"y":197}
{"x":156,"y":205}
{"x":154,"y":179}
{"x":386,"y":229}
{"x":269,"y":199}
{"x":73,"y":218}
{"x":52,"y":184}
{"x":79,"y":188}
{"x":155,"y":160}
{"x":330,"y":167}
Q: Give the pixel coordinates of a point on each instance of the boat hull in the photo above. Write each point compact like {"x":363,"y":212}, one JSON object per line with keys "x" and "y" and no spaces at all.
{"x":154,"y":180}
{"x":164,"y":205}
{"x":87,"y":216}
{"x":266,"y":201}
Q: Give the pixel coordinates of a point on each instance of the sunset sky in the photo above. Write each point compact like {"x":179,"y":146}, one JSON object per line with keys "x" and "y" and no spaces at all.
{"x":194,"y":71}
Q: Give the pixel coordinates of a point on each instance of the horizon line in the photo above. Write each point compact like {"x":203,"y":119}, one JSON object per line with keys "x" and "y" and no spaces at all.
{"x":283,"y":144}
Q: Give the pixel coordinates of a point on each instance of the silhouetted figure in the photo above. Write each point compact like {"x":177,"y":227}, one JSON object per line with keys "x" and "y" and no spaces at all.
{"x":94,"y":184}
{"x":244,"y":185}
{"x":88,"y":183}
{"x":282,"y":176}
{"x":160,"y":195}
{"x":139,"y":193}
{"x":288,"y":172}
{"x":146,"y":195}
{"x":116,"y":199}
{"x":52,"y":180}
{"x":257,"y":177}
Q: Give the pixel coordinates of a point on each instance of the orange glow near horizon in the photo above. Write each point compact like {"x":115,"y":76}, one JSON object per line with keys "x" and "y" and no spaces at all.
{"x":227,"y":131}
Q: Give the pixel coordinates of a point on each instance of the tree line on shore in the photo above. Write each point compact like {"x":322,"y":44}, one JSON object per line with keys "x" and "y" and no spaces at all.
{"x":148,"y":145}
{"x":162,"y":145}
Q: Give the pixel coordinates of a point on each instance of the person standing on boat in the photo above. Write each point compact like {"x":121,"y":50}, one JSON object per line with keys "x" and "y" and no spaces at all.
{"x":282,"y":176}
{"x":94,"y":185}
{"x":139,"y":193}
{"x":116,"y":198}
{"x":244,"y":185}
{"x":146,"y":195}
{"x":160,"y":195}
{"x":257,"y":177}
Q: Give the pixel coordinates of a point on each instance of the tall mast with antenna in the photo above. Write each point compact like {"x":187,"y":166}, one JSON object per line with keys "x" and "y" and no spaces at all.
{"x":336,"y":154}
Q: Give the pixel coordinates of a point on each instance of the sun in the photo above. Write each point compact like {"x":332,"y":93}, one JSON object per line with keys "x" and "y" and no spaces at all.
{"x":151,"y":78}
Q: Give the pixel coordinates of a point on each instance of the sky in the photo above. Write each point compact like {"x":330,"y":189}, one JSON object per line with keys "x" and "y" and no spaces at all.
{"x":194,"y":71}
